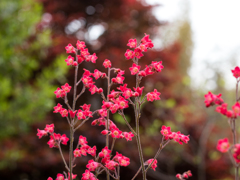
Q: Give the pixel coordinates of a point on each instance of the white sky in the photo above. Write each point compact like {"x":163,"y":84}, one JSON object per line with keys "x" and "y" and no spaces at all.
{"x":216,"y":35}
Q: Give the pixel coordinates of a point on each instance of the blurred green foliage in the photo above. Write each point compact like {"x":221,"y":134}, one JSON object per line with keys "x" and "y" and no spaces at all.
{"x":26,"y":93}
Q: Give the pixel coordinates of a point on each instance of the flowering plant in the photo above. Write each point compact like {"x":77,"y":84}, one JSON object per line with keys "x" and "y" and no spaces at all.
{"x":224,"y":145}
{"x":113,"y":101}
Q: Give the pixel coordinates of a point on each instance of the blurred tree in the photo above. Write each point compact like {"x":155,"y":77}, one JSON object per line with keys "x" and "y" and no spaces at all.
{"x":26,"y":91}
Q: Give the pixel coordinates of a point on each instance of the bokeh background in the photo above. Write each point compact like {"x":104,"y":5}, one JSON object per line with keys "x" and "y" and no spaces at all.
{"x":196,"y":41}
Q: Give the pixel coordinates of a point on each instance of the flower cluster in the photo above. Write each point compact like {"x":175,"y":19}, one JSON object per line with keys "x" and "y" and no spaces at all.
{"x":55,"y":139}
{"x":232,"y":114}
{"x":185,"y":175}
{"x":176,"y":136}
{"x":114,"y":101}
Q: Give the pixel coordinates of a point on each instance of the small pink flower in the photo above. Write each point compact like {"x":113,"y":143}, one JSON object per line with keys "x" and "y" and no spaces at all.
{"x":66,"y":88}
{"x":70,"y":49}
{"x":92,"y":151}
{"x":84,"y":52}
{"x":80,"y":115}
{"x":92,"y":58}
{"x":212,"y":99}
{"x":80,"y":45}
{"x":107,"y":63}
{"x":80,"y":59}
{"x":69,"y":60}
{"x":154,"y":164}
{"x":166,"y":131}
{"x":64,"y":139}
{"x":57,"y":108}
{"x":105,"y":152}
{"x":72,"y":113}
{"x":223,"y":145}
{"x":128,"y":136}
{"x":236,"y":153}
{"x":77,"y":153}
{"x":138,"y":53}
{"x":134,"y":69}
{"x":119,"y":79}
{"x":236,"y":72}
{"x":129,"y":54}
{"x":60,"y":176}
{"x":64,"y":112}
{"x":41,"y":133}
{"x":157,"y":66}
{"x":82,"y":140}
{"x":132,"y":43}
{"x":92,"y":165}
{"x":236,"y":109}
{"x":49,"y":128}
{"x":97,"y":74}
{"x":111,"y":165}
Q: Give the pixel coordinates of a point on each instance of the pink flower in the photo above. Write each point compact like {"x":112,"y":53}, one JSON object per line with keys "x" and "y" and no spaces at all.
{"x":157,"y":66}
{"x":66,"y":88}
{"x":132,"y":43}
{"x":49,"y":128}
{"x":92,"y":58}
{"x":72,"y":113}
{"x":114,"y":108}
{"x":236,"y":109}
{"x":139,"y":90}
{"x":127,"y":93}
{"x":93,"y":89}
{"x":80,"y":115}
{"x":119,"y":79}
{"x":70,"y":49}
{"x":223,"y":145}
{"x":64,"y":112}
{"x":128,"y":136}
{"x":153,"y":95}
{"x":77,"y":153}
{"x":111,"y":165}
{"x":41,"y":133}
{"x":129,"y":54}
{"x":122,"y":103}
{"x":116,"y":133}
{"x":80,"y":45}
{"x":57,"y":108}
{"x":49,"y":178}
{"x":122,"y":160}
{"x":212,"y":99}
{"x":222,"y":109}
{"x":236,"y":72}
{"x":59,"y":93}
{"x":236,"y":153}
{"x":82,"y":140}
{"x":92,"y":151}
{"x":154,"y":164}
{"x":88,"y":175}
{"x":60,"y":176}
{"x":107,"y":63}
{"x":92,"y":165}
{"x":105,"y":152}
{"x":64,"y":139}
{"x":80,"y":59}
{"x":84,"y":52}
{"x":166,"y":131}
{"x":97,"y":74}
{"x":134,"y":69}
{"x":69,"y":60}
{"x":138,"y":53}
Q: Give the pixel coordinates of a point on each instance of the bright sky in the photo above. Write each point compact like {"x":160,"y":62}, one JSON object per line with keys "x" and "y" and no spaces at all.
{"x":216,"y":35}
